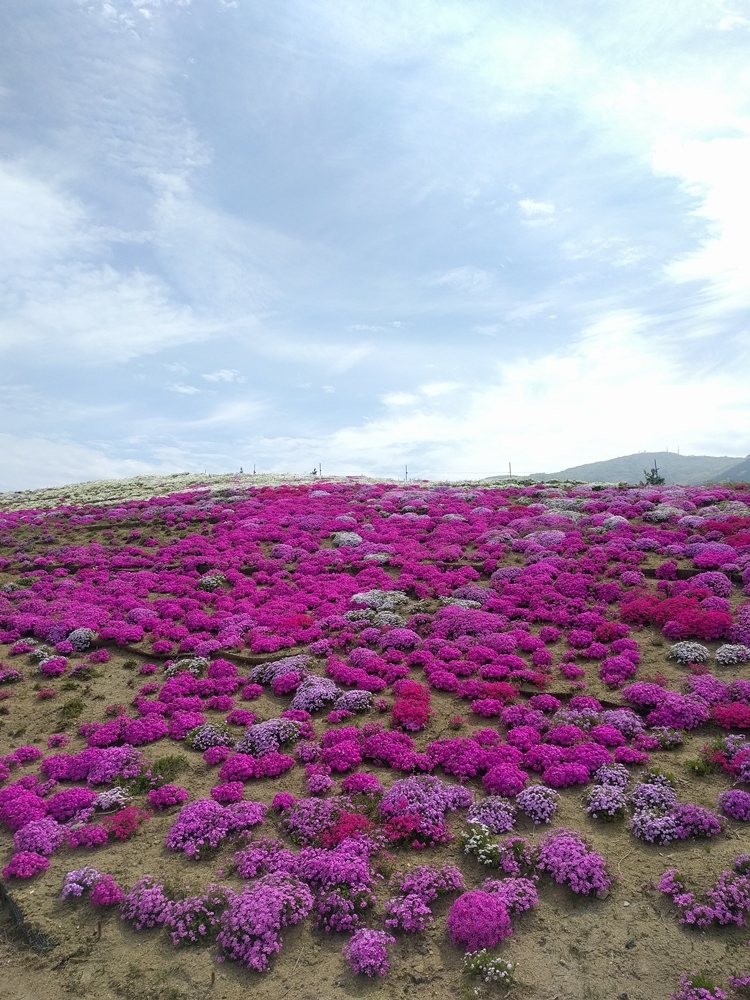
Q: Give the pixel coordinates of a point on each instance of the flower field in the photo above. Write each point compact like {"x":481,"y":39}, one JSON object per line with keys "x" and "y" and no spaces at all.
{"x":351,"y":738}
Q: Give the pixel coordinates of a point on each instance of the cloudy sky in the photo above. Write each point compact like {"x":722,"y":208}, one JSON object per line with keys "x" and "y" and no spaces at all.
{"x":448,"y":233}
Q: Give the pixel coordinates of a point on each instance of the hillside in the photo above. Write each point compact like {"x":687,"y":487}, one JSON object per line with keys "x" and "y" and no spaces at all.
{"x":688,"y":470}
{"x":739,"y":473}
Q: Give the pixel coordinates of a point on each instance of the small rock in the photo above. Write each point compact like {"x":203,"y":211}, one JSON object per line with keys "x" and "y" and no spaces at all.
{"x":626,"y":903}
{"x":630,"y":944}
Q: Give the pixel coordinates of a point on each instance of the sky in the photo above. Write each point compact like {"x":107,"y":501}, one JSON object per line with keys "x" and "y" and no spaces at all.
{"x":448,"y":234}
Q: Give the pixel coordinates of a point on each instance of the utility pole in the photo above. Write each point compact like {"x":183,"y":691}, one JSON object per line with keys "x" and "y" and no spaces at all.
{"x":406,"y":473}
{"x":510,"y":473}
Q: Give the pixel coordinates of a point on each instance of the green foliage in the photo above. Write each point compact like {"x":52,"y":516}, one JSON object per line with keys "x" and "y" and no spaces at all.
{"x":71,"y":710}
{"x":652,"y":477}
{"x":653,"y":771}
{"x":167,"y":768}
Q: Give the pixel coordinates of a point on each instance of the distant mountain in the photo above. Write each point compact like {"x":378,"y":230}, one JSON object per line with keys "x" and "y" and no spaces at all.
{"x":739,"y":473}
{"x":687,"y":470}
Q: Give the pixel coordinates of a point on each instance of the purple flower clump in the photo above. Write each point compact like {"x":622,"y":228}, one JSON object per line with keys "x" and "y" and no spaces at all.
{"x":569,"y":861}
{"x":367,"y":952}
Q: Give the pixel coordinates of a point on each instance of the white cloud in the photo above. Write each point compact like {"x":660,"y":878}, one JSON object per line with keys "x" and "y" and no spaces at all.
{"x":616,"y":390}
{"x":433,"y":389}
{"x":37,"y":461}
{"x":350,"y":357}
{"x":224,"y":375}
{"x":534,"y":209}
{"x":716,"y":170}
{"x":466,"y":279}
{"x":399,"y":398}
{"x":183,"y":390}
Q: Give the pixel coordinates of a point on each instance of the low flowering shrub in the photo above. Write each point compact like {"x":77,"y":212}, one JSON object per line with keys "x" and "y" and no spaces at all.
{"x":166,"y":796}
{"x":697,"y":987}
{"x":367,"y":952}
{"x":203,"y":824}
{"x":145,"y":904}
{"x":735,"y":804}
{"x":494,"y":812}
{"x":490,"y":969}
{"x":195,"y":919}
{"x":569,"y":861}
{"x":409,"y":910}
{"x":80,"y":881}
{"x":538,"y":803}
{"x":126,"y":822}
{"x":606,"y":802}
{"x":40,"y":836}
{"x":249,"y":931}
{"x":106,"y":892}
{"x":478,"y":920}
{"x":25,"y":864}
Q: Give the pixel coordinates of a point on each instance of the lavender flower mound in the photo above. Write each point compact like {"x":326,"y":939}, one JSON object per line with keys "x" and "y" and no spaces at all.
{"x":731,"y":655}
{"x":426,"y":796}
{"x":203,"y":824}
{"x":477,"y":920}
{"x":306,"y":820}
{"x":569,"y":861}
{"x":80,"y":881}
{"x":606,"y":802}
{"x":195,"y":919}
{"x":9,"y":675}
{"x":42,"y":836}
{"x":409,"y":910}
{"x":250,"y":926}
{"x":367,"y":952}
{"x":689,"y":652}
{"x":649,"y":795}
{"x":616,"y":775}
{"x":679,"y":711}
{"x":195,"y":666}
{"x":112,"y":798}
{"x":81,"y":639}
{"x":735,"y":804}
{"x":210,"y":734}
{"x":264,"y":856}
{"x":354,"y":701}
{"x":266,"y":673}
{"x":265,"y":737}
{"x":624,"y":719}
{"x":494,"y":812}
{"x":538,"y":803}
{"x":518,"y":894}
{"x":342,"y":881}
{"x":315,"y":693}
{"x":145,"y":905}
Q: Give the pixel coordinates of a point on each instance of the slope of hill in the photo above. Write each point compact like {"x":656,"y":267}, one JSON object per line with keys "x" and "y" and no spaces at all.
{"x":739,"y":473}
{"x":684,"y":469}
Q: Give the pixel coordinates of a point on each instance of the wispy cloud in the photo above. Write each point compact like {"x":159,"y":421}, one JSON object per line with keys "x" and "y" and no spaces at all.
{"x":224,"y":375}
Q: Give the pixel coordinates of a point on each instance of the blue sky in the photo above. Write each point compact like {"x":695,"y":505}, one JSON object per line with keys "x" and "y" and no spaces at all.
{"x":449,"y":234}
